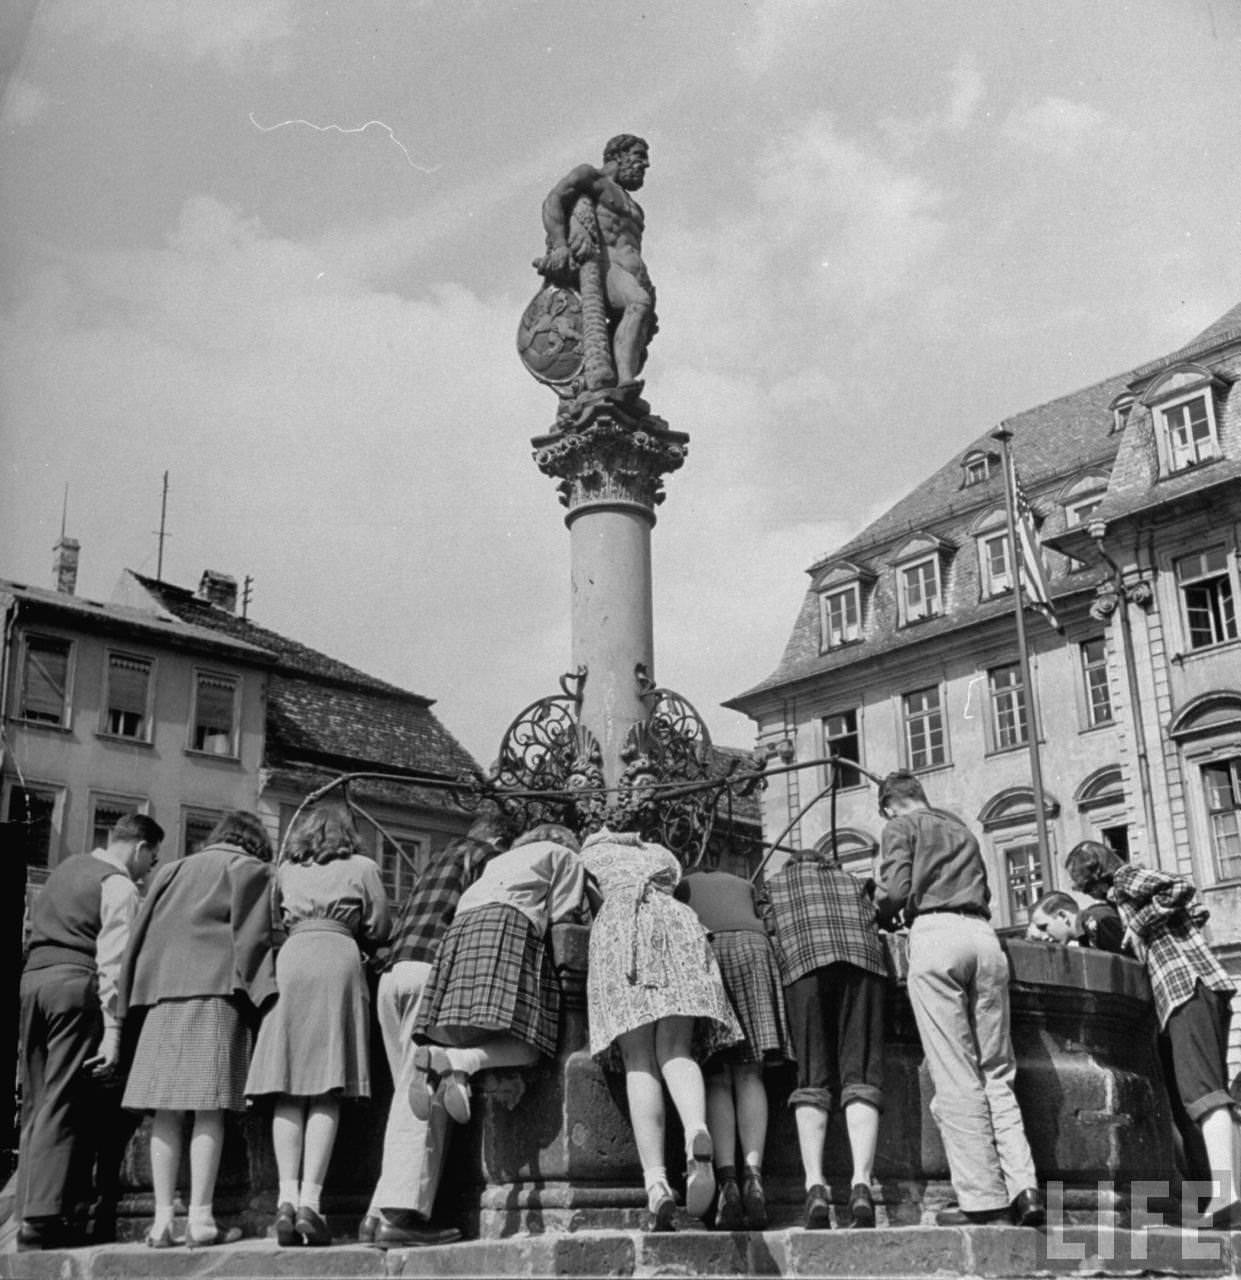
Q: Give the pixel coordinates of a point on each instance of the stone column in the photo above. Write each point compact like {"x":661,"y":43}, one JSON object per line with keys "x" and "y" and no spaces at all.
{"x":611,"y":464}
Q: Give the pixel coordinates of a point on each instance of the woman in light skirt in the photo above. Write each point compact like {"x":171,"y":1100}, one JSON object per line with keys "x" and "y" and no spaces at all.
{"x":313,"y":1047}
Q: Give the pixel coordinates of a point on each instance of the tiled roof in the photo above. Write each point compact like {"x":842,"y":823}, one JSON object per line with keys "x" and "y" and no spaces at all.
{"x":157,"y":627}
{"x":1052,"y":445}
{"x":352,"y":728}
{"x":291,"y":654}
{"x":323,"y":712}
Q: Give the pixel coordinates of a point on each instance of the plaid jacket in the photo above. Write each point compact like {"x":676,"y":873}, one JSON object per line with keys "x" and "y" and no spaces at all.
{"x":818,"y":914}
{"x":1164,"y":913}
{"x":432,"y":903}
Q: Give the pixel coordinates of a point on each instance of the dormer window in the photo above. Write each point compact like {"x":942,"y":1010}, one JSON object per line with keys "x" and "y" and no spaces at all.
{"x":920,"y":594}
{"x":1082,"y":499}
{"x":919,"y":578}
{"x":997,"y":569}
{"x":842,"y":599}
{"x":1182,"y":402}
{"x":842,"y":616}
{"x":1120,"y":408}
{"x":1191,"y":433}
{"x":976,"y":468}
{"x":995,"y":565}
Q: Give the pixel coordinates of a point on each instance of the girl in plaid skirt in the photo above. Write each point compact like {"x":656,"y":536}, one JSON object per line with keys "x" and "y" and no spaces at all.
{"x":728,"y":907}
{"x":493,"y":998}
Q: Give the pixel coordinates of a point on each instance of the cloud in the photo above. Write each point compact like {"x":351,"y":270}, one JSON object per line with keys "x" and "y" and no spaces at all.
{"x":24,"y":103}
{"x":967,"y":92}
{"x":1056,"y":126}
{"x":230,"y":32}
{"x":776,"y":27}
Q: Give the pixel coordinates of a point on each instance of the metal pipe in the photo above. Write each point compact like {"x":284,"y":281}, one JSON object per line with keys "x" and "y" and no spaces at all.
{"x":1098,"y":531}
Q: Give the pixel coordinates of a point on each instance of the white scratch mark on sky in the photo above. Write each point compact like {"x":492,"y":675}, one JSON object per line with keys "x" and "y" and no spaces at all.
{"x":336,"y":128}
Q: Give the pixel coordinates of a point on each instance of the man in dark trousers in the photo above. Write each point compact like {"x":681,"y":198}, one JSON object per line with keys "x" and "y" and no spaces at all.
{"x":70,"y":1028}
{"x":834,"y":972}
{"x":932,"y":872}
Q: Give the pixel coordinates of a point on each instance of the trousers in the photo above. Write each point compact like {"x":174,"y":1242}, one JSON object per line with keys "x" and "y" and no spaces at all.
{"x":958,"y":986}
{"x":413,"y":1150}
{"x":60,"y":1027}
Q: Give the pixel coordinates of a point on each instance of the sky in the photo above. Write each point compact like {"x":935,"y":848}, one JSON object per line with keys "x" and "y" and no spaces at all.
{"x":279,"y":249}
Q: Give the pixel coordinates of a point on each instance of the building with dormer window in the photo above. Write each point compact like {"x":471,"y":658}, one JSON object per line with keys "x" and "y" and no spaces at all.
{"x":1136,"y":485}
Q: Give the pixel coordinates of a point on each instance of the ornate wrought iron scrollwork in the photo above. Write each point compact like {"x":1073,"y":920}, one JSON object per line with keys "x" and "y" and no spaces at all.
{"x":547,"y":750}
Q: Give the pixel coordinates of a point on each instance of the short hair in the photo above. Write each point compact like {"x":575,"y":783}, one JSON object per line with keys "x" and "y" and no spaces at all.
{"x":1092,"y":863}
{"x":901,"y":785}
{"x":323,"y":833}
{"x":244,"y":831}
{"x":491,"y":828}
{"x":620,"y":144}
{"x":138,"y":828}
{"x":556,"y":832}
{"x":1057,"y":900}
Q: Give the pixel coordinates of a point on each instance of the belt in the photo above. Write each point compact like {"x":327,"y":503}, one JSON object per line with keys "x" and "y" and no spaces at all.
{"x":321,"y":924}
{"x":980,"y":913}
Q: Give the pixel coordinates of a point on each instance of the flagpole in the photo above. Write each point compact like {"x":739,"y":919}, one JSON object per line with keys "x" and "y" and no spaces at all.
{"x":1004,"y":436}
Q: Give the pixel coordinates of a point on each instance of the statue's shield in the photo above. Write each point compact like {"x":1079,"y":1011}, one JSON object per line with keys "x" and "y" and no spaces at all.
{"x":549,"y":337}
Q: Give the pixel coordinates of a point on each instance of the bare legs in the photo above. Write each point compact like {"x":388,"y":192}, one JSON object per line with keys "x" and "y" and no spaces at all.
{"x":737,"y":1109}
{"x":655,"y":1055}
{"x":206,"y":1144}
{"x":303,"y":1133}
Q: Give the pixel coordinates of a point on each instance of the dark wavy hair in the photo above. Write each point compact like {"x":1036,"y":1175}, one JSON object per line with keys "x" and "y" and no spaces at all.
{"x":242,"y":830}
{"x":1091,"y":866}
{"x":325,"y":832}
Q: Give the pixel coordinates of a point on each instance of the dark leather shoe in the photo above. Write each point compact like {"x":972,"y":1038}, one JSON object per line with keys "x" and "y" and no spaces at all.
{"x":389,"y":1236}
{"x":42,"y":1233}
{"x":1029,"y":1209}
{"x":861,"y":1206}
{"x":286,"y":1226}
{"x":729,"y":1211}
{"x":955,"y":1216}
{"x":312,"y":1227}
{"x":818,"y":1209}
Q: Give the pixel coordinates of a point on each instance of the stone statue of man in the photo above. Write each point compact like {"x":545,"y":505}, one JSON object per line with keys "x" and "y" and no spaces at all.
{"x":589,"y":216}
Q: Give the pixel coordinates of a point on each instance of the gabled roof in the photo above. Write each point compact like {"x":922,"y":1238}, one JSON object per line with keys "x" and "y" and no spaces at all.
{"x":291,"y":655}
{"x":323,"y":713}
{"x":71,"y":611}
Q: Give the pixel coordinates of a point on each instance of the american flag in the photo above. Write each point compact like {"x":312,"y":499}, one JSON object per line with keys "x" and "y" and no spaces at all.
{"x":1031,"y":565}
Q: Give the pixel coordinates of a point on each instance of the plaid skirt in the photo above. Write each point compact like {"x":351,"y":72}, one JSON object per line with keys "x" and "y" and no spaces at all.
{"x":191,"y":1055}
{"x":492,"y":973}
{"x":751,"y":978}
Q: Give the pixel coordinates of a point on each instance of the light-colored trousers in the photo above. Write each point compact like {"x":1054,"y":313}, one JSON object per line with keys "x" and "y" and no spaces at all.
{"x":414,"y":1150}
{"x":958,"y":986}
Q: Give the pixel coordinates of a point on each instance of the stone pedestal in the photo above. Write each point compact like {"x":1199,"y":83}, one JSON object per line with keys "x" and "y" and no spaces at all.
{"x":1094,"y":1101}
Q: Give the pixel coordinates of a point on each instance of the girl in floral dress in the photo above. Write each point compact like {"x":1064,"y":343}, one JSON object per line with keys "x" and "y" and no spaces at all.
{"x":654,"y":994}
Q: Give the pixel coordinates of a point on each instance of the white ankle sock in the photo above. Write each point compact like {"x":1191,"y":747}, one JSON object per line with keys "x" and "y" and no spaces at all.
{"x":287,"y":1193}
{"x":200,"y":1218}
{"x":311,"y":1193}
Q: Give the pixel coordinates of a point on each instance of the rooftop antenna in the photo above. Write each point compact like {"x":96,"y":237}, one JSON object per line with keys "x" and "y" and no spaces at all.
{"x":64,"y":512}
{"x":163,"y":521}
{"x":247,"y":590}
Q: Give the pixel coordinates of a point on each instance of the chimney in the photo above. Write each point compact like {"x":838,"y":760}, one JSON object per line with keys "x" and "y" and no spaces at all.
{"x":219,"y":589}
{"x":65,"y":566}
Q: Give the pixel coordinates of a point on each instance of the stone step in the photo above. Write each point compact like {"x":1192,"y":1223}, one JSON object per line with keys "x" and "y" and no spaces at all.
{"x":1005,"y":1253}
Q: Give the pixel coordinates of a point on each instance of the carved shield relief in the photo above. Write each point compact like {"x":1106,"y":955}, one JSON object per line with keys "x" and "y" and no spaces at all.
{"x":549,"y":337}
